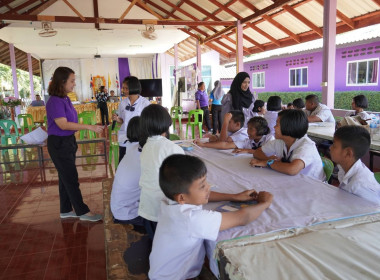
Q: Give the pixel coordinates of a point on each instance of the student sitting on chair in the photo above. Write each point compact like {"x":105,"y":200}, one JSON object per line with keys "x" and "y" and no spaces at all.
{"x":350,"y":144}
{"x":359,"y":103}
{"x":317,"y":112}
{"x":178,"y":250}
{"x":258,"y":135}
{"x":259,"y":108}
{"x":233,"y":129}
{"x":293,"y":151}
{"x":125,"y":195}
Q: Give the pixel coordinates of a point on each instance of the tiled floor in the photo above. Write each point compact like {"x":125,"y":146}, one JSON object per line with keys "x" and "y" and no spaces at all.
{"x":34,"y":242}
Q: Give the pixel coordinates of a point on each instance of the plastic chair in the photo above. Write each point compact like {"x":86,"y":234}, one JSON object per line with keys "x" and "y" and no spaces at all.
{"x":45,"y":122}
{"x":114,"y":145}
{"x":377,"y":177}
{"x":174,"y":137}
{"x":6,"y":126}
{"x":25,"y":121}
{"x":328,"y":167}
{"x":87,"y":117}
{"x":195,"y":119}
{"x":176,"y":114}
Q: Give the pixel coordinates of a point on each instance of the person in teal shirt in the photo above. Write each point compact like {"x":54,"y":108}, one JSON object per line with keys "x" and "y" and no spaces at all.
{"x":216,"y":96}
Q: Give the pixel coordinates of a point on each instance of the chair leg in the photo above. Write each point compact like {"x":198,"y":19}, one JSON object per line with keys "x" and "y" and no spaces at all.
{"x":173,"y":120}
{"x":193,"y":131}
{"x":187,"y":133}
{"x":200,"y":130}
{"x":116,"y":155}
{"x":180,"y":126}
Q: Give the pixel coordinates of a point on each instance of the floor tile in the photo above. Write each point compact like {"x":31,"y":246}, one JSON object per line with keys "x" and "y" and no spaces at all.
{"x":68,"y":257}
{"x":27,"y":263}
{"x":30,"y":246}
{"x":73,"y":272}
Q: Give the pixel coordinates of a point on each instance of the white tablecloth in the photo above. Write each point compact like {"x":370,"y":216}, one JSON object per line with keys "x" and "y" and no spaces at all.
{"x":298,"y":200}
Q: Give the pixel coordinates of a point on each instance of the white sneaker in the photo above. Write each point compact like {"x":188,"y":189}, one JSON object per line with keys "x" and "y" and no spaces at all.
{"x":94,"y":218}
{"x":70,"y":214}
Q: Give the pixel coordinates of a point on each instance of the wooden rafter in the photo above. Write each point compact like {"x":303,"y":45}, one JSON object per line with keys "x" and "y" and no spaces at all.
{"x":224,"y":5}
{"x":377,"y":2}
{"x":248,"y":5}
{"x":171,"y":14}
{"x":127,"y":10}
{"x":22,"y":6}
{"x":282,"y":28}
{"x":74,"y":10}
{"x":200,"y":9}
{"x":96,"y":12}
{"x":150,"y":10}
{"x":303,"y":19}
{"x":233,"y":42}
{"x":341,"y":16}
{"x":258,"y":30}
{"x":224,"y":8}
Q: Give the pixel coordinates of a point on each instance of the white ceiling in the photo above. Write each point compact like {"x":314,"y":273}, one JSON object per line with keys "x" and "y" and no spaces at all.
{"x":75,"y":40}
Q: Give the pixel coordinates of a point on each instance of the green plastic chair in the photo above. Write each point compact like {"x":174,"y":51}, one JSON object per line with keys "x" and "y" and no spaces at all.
{"x":174,"y":137}
{"x":25,"y":121}
{"x":45,"y":122}
{"x":7,"y":134}
{"x":328,"y":167}
{"x":176,"y":114}
{"x":377,"y":177}
{"x":87,"y":117}
{"x":195,"y":119}
{"x":114,"y":145}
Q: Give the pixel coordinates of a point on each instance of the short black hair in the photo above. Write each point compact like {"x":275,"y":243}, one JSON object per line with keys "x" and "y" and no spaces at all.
{"x":290,"y":104}
{"x":101,"y":89}
{"x":154,"y":120}
{"x":200,"y":84}
{"x":298,"y":103}
{"x":238,"y":117}
{"x":312,"y":98}
{"x":258,"y":104}
{"x":178,"y":172}
{"x":361,"y":101}
{"x":355,"y":137}
{"x":134,"y":85}
{"x":133,"y":129}
{"x":274,"y":103}
{"x":260,"y":124}
{"x":293,"y":123}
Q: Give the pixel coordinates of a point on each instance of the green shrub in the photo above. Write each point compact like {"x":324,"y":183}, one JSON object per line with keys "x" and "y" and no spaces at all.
{"x":342,"y":99}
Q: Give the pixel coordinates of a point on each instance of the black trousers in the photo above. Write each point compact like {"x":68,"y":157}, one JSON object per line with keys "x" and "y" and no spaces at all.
{"x":104,"y":113}
{"x":62,"y":151}
{"x":122,"y":151}
{"x":216,"y":111}
{"x":206,"y":117}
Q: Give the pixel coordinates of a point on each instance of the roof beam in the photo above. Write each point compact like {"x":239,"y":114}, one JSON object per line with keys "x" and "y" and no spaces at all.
{"x":127,"y":10}
{"x":96,"y":12}
{"x":226,"y":9}
{"x":258,"y":30}
{"x":233,"y":42}
{"x":74,"y":10}
{"x":171,"y":14}
{"x":150,"y":10}
{"x":219,"y":50}
{"x":200,"y":9}
{"x":341,"y":16}
{"x":249,"y":5}
{"x":302,"y":19}
{"x":282,"y":28}
{"x":377,"y":2}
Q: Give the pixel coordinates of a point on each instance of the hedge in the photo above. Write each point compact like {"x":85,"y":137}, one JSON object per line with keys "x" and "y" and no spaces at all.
{"x":342,"y":99}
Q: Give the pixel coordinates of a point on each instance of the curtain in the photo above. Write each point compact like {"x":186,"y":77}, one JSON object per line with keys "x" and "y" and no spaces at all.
{"x":141,"y":67}
{"x":373,"y":78}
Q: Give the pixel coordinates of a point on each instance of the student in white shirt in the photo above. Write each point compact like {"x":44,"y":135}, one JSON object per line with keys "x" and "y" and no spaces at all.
{"x":258,"y":133}
{"x":125,"y":194}
{"x":128,"y":108}
{"x":274,"y":105}
{"x":292,"y":152}
{"x":317,"y":112}
{"x":154,"y":132}
{"x":233,"y":128}
{"x":178,"y":250}
{"x":298,"y":104}
{"x":350,"y":144}
{"x":259,"y":109}
{"x":359,"y":103}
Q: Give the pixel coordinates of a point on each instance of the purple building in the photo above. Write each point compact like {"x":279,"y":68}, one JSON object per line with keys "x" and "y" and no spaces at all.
{"x":357,"y":68}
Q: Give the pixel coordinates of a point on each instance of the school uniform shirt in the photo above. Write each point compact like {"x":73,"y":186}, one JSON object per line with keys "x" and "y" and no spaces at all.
{"x":240,"y":135}
{"x":178,"y":251}
{"x":227,"y":107}
{"x":156,"y":149}
{"x":271,"y":117}
{"x":125,"y":195}
{"x":304,"y":149}
{"x":251,"y":144}
{"x":363,"y":115}
{"x":323,"y":112}
{"x":360,"y":181}
{"x":126,"y":115}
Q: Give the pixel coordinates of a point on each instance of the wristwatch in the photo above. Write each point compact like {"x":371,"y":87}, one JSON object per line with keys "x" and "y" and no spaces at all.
{"x":270,"y":162}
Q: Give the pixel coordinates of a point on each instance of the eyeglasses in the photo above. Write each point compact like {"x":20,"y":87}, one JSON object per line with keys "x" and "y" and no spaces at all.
{"x":130,"y":108}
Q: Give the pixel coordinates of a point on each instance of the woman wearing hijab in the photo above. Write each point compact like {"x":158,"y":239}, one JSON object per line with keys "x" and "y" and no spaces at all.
{"x":239,"y":97}
{"x":216,"y":108}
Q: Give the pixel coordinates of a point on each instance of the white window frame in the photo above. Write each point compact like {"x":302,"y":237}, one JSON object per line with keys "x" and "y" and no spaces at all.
{"x":307,"y":75}
{"x":257,"y":73}
{"x":357,"y":72}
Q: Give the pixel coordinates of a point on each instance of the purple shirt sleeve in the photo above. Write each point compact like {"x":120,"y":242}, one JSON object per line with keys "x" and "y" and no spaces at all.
{"x":58,"y":107}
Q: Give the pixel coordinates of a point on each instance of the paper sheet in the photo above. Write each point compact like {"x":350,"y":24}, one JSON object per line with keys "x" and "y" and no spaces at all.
{"x":37,"y":136}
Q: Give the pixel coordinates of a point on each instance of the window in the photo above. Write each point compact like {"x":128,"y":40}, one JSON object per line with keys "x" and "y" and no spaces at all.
{"x":206,"y":77}
{"x":298,"y":77}
{"x":363,"y":72}
{"x":258,"y":80}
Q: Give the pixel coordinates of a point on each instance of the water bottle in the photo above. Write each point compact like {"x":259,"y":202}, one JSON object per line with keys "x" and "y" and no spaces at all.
{"x":373,"y":128}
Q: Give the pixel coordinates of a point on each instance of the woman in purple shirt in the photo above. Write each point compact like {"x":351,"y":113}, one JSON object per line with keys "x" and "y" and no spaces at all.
{"x":62,"y":122}
{"x":201,"y":98}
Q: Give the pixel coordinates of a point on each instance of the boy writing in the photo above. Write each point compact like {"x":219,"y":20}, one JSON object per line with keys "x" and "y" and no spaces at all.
{"x":350,"y":144}
{"x":178,"y":251}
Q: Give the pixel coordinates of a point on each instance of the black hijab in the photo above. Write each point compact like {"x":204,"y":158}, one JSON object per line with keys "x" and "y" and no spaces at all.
{"x":240,"y":98}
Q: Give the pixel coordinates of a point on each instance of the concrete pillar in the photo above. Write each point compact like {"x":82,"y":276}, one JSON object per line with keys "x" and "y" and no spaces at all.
{"x":14,"y":75}
{"x":329,"y":51}
{"x":199,"y":63}
{"x":30,"y":67}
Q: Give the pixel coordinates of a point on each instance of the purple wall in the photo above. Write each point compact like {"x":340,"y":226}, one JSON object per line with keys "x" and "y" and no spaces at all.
{"x":277,"y":69}
{"x":123,"y":69}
